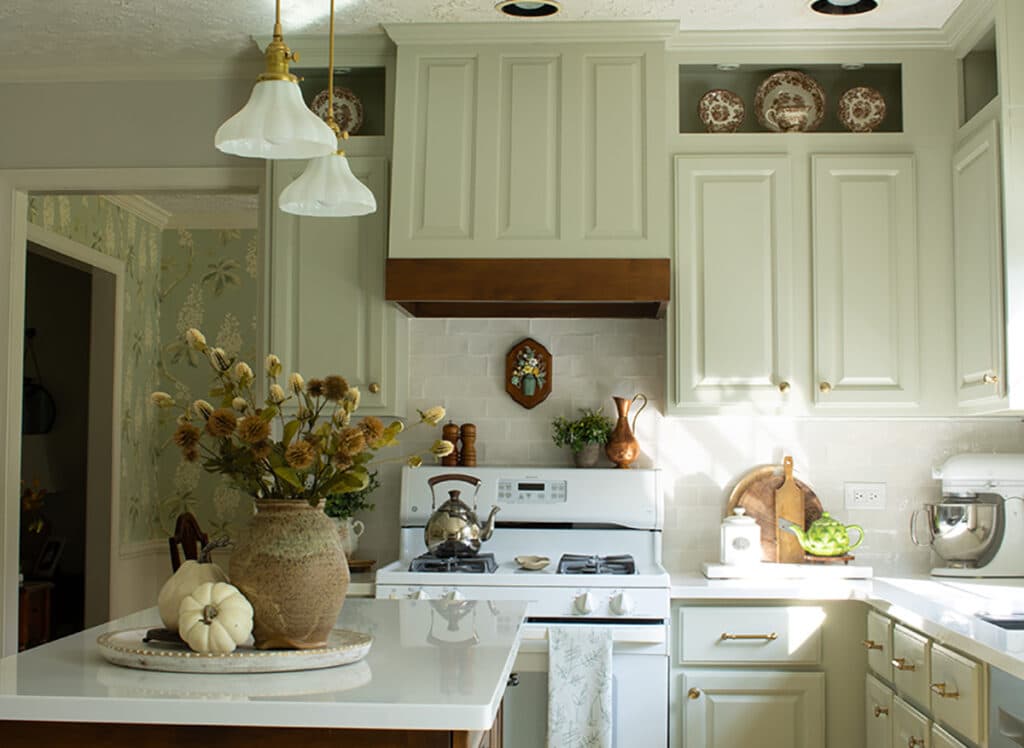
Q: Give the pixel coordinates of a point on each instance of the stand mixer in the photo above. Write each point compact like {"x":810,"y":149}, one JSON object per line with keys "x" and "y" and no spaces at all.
{"x":978,"y":527}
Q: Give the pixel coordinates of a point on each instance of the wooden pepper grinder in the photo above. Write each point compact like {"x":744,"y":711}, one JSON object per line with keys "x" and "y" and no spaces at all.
{"x":450,"y":432}
{"x":467,"y":455}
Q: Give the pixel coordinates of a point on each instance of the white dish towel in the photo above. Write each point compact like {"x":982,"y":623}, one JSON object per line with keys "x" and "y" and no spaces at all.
{"x":579,"y":686}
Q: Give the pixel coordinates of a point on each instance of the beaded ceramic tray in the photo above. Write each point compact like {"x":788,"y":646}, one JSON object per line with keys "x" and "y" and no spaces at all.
{"x":128,"y":648}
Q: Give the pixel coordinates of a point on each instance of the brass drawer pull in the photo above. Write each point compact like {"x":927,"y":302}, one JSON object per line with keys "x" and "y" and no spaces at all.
{"x":693,"y":693}
{"x":940,"y":690}
{"x":900,"y":663}
{"x":881,"y":710}
{"x":990,"y":379}
{"x":915,"y":742}
{"x":750,"y":637}
{"x":871,"y":644}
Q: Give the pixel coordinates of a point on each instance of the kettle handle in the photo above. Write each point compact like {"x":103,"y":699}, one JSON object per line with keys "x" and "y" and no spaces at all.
{"x":470,"y":479}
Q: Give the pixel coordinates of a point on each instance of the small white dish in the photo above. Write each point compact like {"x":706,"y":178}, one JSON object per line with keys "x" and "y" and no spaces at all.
{"x":532,"y":563}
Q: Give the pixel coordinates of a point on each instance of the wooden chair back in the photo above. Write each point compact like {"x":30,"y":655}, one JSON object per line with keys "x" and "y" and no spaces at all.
{"x":188,"y":537}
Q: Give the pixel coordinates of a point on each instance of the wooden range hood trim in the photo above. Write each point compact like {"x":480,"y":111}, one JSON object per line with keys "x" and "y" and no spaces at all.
{"x":602,"y":288}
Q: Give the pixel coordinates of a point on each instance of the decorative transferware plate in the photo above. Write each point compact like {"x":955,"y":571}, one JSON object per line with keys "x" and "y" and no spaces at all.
{"x":861,"y":109}
{"x":721,"y":111}
{"x":348,"y":109}
{"x":127,"y":648}
{"x":787,"y":90}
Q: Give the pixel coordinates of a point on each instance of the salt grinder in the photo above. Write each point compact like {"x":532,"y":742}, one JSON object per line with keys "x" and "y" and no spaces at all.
{"x":467,"y":454}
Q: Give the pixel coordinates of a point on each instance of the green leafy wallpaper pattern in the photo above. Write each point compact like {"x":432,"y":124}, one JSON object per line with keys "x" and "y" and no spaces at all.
{"x":98,"y":223}
{"x":209,"y":281}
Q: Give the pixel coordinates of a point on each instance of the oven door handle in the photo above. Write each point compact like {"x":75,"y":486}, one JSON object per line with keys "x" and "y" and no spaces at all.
{"x":620,"y":635}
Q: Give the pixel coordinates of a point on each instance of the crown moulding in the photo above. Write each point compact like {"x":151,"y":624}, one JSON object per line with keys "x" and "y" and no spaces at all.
{"x":532,"y":31}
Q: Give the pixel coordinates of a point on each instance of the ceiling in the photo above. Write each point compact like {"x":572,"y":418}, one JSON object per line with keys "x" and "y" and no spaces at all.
{"x":107,"y":33}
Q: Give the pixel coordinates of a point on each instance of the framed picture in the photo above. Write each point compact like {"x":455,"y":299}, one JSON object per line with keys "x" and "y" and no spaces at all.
{"x":48,"y":559}
{"x":528,"y":373}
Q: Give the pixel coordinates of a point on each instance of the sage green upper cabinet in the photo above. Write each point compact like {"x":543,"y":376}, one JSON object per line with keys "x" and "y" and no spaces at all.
{"x":734,"y":295}
{"x":539,"y":149}
{"x":978,"y":254}
{"x":865,"y":281}
{"x":327,"y":313}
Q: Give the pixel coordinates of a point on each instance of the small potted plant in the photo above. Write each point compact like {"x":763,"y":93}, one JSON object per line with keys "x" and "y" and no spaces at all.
{"x":342,"y":506}
{"x":585,"y":436}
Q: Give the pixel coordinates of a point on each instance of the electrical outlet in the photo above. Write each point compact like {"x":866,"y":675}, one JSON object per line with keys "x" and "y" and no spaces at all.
{"x":865,"y":495}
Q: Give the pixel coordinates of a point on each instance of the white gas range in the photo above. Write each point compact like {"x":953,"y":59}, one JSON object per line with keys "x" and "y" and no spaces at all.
{"x":603,"y":528}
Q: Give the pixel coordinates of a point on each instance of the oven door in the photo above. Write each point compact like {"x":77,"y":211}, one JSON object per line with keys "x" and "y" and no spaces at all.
{"x":639,"y":688}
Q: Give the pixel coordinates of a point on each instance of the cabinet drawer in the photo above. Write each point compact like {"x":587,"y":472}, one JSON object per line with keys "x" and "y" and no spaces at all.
{"x":942,"y":739}
{"x":879,"y":644}
{"x":751,"y":635}
{"x":956,"y":692}
{"x":910,"y":728}
{"x":879,"y":713}
{"x":910,"y":664}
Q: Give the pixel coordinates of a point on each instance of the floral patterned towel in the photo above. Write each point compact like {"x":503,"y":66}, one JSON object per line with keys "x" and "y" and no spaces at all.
{"x":579,"y":687}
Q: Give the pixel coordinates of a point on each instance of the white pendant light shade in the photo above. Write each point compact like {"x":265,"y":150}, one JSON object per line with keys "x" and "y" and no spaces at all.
{"x":328,"y":188}
{"x":276,"y":123}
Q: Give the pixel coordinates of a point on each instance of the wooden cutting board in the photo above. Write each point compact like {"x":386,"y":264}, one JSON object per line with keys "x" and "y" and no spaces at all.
{"x":755,"y":492}
{"x":789,"y":506}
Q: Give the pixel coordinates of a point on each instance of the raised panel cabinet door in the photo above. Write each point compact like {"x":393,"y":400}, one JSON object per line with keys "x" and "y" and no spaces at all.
{"x":911,"y":665}
{"x":866,"y":348}
{"x":325,"y":288}
{"x":978,"y":277}
{"x":942,"y":739}
{"x":730,"y":708}
{"x":879,"y":714}
{"x":957,"y":692}
{"x":878,"y":644}
{"x":435,"y":151}
{"x":910,"y":728}
{"x":733,"y":334}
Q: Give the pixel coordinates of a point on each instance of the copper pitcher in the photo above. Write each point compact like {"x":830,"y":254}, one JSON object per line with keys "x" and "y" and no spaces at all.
{"x":622,"y":447}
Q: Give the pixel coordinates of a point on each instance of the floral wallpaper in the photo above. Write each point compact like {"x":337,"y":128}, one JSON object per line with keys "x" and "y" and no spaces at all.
{"x":208,"y":280}
{"x":95,"y":222}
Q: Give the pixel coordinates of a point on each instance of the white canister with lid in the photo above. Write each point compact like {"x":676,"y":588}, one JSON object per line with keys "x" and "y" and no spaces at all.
{"x":741,"y":540}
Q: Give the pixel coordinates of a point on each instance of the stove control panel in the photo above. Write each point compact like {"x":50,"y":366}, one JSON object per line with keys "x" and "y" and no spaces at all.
{"x":531,"y":491}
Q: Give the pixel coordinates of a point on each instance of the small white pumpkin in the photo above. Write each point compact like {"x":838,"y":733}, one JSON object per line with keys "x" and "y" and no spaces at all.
{"x":215,"y":618}
{"x":189,"y":575}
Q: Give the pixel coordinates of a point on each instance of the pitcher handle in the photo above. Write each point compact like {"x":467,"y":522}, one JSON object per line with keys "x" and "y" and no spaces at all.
{"x":860,"y":540}
{"x":636,"y":415}
{"x":913,"y":529}
{"x":358,"y":528}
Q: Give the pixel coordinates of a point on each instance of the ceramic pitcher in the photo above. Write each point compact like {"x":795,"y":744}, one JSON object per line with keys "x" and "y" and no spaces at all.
{"x":622,"y":447}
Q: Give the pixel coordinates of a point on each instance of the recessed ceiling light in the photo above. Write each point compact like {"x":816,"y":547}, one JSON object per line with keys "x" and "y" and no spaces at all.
{"x":524,"y":9}
{"x":843,"y":7}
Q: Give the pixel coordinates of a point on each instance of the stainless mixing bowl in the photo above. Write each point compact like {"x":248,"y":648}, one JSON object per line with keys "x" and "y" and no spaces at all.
{"x":961,"y":532}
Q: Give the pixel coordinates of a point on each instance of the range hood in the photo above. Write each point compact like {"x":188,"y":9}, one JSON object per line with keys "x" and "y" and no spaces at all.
{"x":606,"y":288}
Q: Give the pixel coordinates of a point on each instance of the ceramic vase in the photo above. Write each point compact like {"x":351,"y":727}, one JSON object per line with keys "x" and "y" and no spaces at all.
{"x":622,"y":447}
{"x":588,"y":456}
{"x":290,"y":565}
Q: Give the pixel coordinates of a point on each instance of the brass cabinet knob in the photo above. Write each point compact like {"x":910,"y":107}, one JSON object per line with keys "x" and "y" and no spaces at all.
{"x":990,"y":379}
{"x":824,"y":388}
{"x":881,"y":711}
{"x":915,"y":742}
{"x":871,"y":644}
{"x":783,"y":387}
{"x":900,"y":663}
{"x":940,"y":689}
{"x":374,"y":388}
{"x":694,"y":693}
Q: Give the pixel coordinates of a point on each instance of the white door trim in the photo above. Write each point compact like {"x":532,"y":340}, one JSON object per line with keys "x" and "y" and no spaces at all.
{"x":15,"y":187}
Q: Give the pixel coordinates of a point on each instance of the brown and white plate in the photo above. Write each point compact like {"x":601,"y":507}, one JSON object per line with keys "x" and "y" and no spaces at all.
{"x":721,"y":111}
{"x":784,"y":92}
{"x":861,"y":109}
{"x":348,"y":109}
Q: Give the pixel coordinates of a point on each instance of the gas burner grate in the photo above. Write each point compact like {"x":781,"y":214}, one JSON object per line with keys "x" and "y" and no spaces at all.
{"x":482,"y":563}
{"x":571,"y":563}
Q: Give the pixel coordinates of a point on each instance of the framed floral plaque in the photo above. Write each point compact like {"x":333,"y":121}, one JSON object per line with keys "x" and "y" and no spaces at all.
{"x":528,"y":373}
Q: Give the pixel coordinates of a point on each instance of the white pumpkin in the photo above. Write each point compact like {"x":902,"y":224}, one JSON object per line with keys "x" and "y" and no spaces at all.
{"x":215,"y":618}
{"x":189,"y":575}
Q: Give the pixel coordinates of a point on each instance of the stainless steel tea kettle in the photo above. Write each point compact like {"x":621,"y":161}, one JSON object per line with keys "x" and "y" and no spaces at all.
{"x":453,"y":529}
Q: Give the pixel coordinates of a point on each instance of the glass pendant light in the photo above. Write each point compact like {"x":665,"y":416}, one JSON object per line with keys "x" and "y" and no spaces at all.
{"x":328,"y":187}
{"x":276,"y":123}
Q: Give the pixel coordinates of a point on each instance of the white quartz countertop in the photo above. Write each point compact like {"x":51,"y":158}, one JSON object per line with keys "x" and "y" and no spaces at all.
{"x":944,"y":609}
{"x":431,"y":667}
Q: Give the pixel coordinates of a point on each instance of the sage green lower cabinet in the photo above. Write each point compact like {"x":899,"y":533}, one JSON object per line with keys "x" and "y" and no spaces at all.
{"x":910,"y":728}
{"x":942,"y":739}
{"x":729,"y":708}
{"x":325,"y":294}
{"x":878,"y":717}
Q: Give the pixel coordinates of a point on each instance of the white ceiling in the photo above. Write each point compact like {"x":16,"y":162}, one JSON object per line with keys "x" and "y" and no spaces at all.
{"x":200,"y":203}
{"x":110,"y":32}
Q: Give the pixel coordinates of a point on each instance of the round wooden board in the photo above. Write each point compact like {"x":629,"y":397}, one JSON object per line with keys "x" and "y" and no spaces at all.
{"x":755,"y":492}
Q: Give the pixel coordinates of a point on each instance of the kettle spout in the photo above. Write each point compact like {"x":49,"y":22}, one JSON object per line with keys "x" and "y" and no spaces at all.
{"x":488,"y":529}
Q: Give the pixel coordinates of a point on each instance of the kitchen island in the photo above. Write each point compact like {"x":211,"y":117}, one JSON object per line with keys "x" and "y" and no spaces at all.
{"x":435,"y":676}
